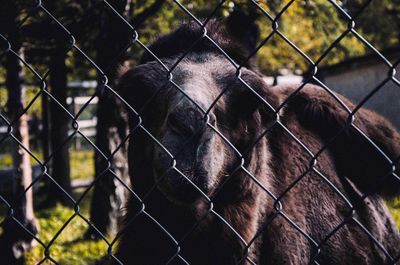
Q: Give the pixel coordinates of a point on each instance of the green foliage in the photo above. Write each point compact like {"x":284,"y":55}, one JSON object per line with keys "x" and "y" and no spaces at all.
{"x":5,"y":160}
{"x":394,"y":208}
{"x":82,"y":164}
{"x":379,"y":22}
{"x":31,"y":95}
{"x":69,"y":247}
{"x":3,"y":99}
{"x":312,"y":25}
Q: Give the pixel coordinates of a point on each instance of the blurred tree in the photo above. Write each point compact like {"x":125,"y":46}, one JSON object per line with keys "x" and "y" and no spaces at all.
{"x":108,"y":196}
{"x":48,"y":44}
{"x":310,"y":24}
{"x":15,"y":239}
{"x":59,"y":127}
{"x":113,"y":41}
{"x":378,"y":21}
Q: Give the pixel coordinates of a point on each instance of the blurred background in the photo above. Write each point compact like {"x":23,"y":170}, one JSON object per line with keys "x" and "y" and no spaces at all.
{"x":61,"y":127}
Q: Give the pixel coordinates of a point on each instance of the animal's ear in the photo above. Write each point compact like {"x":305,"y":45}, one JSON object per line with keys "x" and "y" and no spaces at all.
{"x":366,"y":153}
{"x":126,"y":85}
{"x":244,"y":28}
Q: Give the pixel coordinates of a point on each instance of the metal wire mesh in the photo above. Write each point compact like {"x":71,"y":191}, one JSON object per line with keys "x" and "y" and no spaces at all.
{"x":279,"y":211}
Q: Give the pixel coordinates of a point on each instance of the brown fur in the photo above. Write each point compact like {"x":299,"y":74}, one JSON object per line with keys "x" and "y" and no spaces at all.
{"x":245,"y":224}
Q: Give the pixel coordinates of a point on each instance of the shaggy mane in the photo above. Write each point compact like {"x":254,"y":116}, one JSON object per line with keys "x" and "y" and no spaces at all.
{"x":190,"y":37}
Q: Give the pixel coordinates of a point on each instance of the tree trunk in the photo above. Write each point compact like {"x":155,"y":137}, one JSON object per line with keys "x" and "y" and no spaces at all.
{"x":59,"y":124}
{"x":109,"y":194}
{"x":15,"y":240}
{"x":44,"y":137}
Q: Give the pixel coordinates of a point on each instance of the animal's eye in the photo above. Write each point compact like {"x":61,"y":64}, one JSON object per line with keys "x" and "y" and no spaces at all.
{"x":247,"y":103}
{"x":178,"y":124}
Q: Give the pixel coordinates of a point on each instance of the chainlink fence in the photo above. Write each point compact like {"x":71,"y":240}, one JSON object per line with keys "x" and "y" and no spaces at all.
{"x":10,"y":50}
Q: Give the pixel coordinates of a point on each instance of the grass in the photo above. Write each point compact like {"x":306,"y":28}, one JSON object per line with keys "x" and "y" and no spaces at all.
{"x":7,"y":162}
{"x":69,"y":247}
{"x":82,"y":164}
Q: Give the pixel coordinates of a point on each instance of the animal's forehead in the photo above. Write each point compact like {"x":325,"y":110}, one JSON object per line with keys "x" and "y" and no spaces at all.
{"x":201,"y":78}
{"x":205,"y":67}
